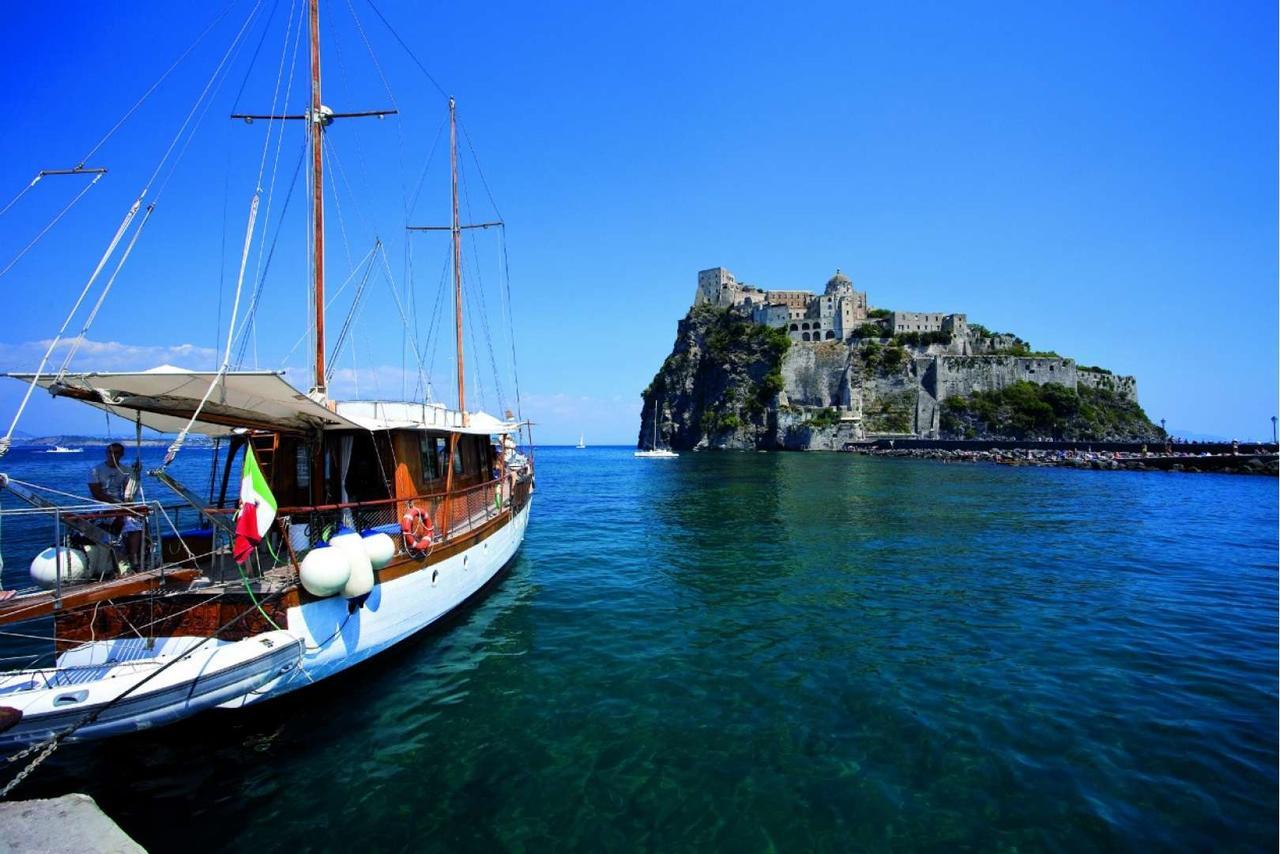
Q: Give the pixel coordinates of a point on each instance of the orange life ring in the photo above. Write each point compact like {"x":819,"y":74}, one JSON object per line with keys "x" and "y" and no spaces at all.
{"x":418,"y":531}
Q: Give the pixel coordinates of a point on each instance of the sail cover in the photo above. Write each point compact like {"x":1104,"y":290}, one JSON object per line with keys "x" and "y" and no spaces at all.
{"x":165,"y":398}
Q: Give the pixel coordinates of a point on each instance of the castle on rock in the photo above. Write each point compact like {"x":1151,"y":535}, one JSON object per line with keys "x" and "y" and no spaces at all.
{"x":833,"y":315}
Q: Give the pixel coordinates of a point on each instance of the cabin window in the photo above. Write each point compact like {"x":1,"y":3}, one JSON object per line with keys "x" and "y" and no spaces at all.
{"x":428,"y":447}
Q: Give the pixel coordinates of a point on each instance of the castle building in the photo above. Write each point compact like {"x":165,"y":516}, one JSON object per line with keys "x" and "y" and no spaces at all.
{"x":830,"y":316}
{"x":833,"y":315}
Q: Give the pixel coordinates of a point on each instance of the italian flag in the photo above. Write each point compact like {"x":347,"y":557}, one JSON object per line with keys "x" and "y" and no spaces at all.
{"x":257,"y":509}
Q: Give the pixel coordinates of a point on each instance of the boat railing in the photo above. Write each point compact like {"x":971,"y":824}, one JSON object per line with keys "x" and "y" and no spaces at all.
{"x":180,"y":535}
{"x":451,"y":515}
{"x":79,"y":527}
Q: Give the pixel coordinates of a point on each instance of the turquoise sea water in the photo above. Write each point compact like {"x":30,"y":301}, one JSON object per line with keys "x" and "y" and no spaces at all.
{"x":791,"y":651}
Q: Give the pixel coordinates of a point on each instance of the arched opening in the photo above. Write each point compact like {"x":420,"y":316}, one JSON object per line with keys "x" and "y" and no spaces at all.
{"x":804,"y":336}
{"x":804,"y":326}
{"x":830,"y":334}
{"x":795,"y":327}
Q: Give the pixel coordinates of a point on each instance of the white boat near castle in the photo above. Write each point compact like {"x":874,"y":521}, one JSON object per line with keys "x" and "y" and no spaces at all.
{"x":653,"y":452}
{"x":60,"y":449}
{"x":333,"y":529}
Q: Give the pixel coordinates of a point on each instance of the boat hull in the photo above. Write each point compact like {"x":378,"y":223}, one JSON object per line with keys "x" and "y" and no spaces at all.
{"x":339,"y":636}
{"x":131,"y":687}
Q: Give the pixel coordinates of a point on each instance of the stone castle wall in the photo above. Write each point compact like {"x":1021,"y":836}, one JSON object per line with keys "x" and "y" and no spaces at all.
{"x":963,"y":375}
{"x":1126,"y":387}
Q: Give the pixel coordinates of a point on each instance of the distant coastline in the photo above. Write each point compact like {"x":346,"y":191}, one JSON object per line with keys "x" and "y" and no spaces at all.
{"x":102,"y":441}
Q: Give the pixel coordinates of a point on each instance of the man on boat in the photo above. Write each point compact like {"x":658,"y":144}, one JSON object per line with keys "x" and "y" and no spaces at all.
{"x":109,"y":482}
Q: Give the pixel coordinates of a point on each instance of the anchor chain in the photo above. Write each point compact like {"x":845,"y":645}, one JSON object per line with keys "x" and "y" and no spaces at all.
{"x":47,"y":751}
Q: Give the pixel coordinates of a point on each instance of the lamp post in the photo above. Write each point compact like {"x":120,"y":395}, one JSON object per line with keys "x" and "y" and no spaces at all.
{"x":1273,"y":429}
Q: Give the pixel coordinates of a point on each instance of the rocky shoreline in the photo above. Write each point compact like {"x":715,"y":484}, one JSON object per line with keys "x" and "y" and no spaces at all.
{"x":1257,"y":463}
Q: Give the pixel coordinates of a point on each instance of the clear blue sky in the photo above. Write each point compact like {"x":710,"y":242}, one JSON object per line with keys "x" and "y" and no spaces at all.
{"x":1099,"y":178}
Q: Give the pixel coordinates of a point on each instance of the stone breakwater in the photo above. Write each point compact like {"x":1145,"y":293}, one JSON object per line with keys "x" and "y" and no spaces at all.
{"x":1264,"y":463}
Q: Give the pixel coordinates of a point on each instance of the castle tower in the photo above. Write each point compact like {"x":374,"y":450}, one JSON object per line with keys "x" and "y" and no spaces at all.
{"x":839,"y":284}
{"x":716,"y":286}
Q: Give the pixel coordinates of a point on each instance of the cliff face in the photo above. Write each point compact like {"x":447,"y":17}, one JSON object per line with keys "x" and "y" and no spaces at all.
{"x":718,"y":386}
{"x":732,"y":383}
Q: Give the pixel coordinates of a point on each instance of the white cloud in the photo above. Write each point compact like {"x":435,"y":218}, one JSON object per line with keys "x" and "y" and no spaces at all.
{"x":105,"y":356}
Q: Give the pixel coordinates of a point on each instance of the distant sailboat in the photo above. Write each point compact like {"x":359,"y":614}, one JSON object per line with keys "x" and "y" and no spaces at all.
{"x":654,"y":451}
{"x":581,"y":442}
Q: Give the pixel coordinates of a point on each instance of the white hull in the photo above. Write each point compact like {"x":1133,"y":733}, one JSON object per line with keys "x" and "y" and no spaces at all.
{"x":336,"y":640}
{"x":657,"y":455}
{"x":130,"y":686}
{"x":321,"y":639}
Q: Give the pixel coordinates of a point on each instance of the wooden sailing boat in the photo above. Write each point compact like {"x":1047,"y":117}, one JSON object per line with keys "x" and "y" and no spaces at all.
{"x":387,"y":516}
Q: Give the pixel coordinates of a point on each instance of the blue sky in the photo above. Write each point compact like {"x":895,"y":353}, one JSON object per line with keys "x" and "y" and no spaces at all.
{"x":1098,"y":178}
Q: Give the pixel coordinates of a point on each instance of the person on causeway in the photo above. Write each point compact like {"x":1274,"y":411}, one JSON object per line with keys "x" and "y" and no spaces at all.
{"x":109,"y":481}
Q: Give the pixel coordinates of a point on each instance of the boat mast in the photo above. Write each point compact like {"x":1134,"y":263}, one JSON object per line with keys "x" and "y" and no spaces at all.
{"x":318,"y":122}
{"x":457,"y":257}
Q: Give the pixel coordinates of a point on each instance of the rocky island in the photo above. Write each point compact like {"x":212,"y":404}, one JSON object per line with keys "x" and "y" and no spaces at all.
{"x":790,"y":369}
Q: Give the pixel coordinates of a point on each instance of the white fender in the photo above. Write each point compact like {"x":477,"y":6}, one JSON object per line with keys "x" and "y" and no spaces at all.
{"x":73,"y":563}
{"x":380,"y":548}
{"x":325,"y":570}
{"x":360,"y":581}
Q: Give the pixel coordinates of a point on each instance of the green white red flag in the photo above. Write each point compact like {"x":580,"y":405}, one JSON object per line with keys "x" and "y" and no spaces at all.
{"x":257,"y":509}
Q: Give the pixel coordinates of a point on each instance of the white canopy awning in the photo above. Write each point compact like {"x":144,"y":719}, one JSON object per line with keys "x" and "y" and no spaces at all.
{"x":392,"y":415}
{"x":166,"y":397}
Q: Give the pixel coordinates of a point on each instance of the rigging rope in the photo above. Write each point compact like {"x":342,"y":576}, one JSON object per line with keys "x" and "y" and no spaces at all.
{"x":102,"y":262}
{"x":415,"y":59}
{"x":251,"y":313}
{"x":484,"y":304}
{"x":413,"y":339}
{"x":23,"y":192}
{"x":351,"y":313}
{"x":58,"y":216}
{"x":156,"y":85}
{"x":327,"y":304}
{"x":226,"y":359}
{"x":249,"y":330}
{"x":266,"y":31}
{"x":7,"y":440}
{"x":106,"y":289}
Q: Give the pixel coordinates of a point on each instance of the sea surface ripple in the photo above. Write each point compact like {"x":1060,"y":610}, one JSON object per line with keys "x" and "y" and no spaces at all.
{"x":802,"y":652}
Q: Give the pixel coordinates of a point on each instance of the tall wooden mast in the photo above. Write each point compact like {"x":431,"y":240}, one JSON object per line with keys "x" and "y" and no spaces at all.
{"x":319,"y":117}
{"x":318,"y":120}
{"x":456,"y":228}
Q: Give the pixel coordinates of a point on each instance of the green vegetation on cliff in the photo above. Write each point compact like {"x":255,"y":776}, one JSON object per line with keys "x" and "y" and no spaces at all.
{"x":1025,"y":410}
{"x":922,"y":339}
{"x":890,"y":413}
{"x":726,"y":332}
{"x":722,"y":378}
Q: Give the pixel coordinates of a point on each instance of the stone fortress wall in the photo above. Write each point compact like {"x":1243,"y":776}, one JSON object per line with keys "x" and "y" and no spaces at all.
{"x":824,"y":378}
